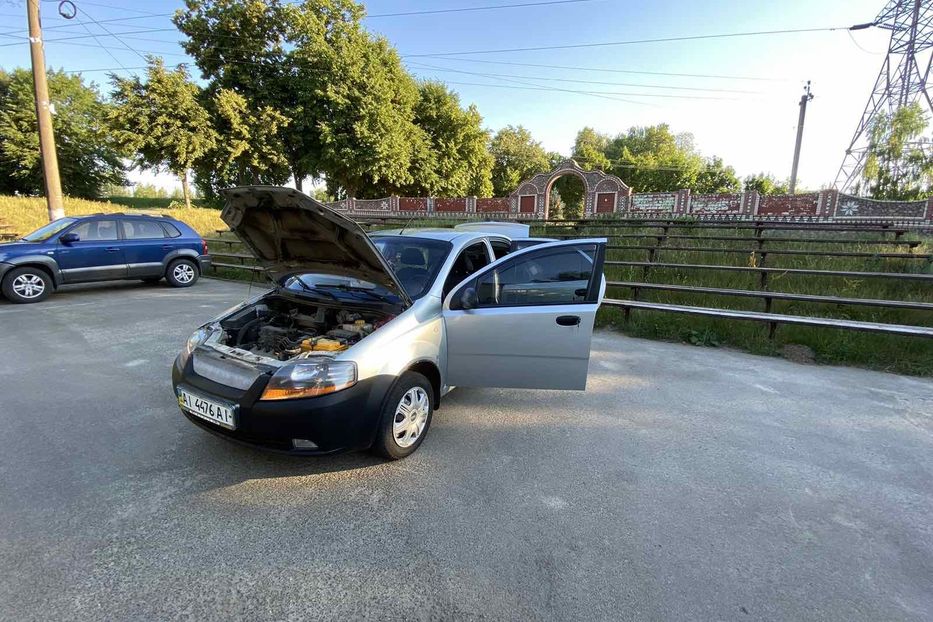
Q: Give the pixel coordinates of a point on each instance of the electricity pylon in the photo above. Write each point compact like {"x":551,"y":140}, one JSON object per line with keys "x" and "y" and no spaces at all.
{"x":902,"y":80}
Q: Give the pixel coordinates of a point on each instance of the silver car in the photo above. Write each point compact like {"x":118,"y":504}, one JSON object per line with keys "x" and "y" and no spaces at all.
{"x":363,"y":334}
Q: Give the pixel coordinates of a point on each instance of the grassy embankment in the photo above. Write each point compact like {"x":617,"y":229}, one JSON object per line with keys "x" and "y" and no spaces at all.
{"x":24,"y":214}
{"x":898,"y":354}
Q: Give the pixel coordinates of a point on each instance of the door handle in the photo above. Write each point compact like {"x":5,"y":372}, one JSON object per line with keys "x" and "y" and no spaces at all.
{"x":112,"y":249}
{"x":166,"y":247}
{"x":568,"y":320}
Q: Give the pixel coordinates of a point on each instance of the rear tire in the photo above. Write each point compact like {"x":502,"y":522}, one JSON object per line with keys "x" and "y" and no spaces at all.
{"x":182,"y":273}
{"x":27,"y":284}
{"x":406,"y":417}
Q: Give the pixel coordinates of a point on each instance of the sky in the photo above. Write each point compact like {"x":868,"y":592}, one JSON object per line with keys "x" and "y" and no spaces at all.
{"x":747,"y":114}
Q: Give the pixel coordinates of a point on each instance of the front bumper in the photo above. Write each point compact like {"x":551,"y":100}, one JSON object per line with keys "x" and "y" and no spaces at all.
{"x":342,"y":421}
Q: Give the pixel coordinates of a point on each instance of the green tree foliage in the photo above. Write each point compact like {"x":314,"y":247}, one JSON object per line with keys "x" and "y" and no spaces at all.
{"x":765,"y":184}
{"x":241,"y":47}
{"x":458,"y":163}
{"x":716,"y":178}
{"x":653,"y":159}
{"x":247,"y":151}
{"x":899,"y":165}
{"x":516,"y":155}
{"x":162,"y":121}
{"x":88,"y":158}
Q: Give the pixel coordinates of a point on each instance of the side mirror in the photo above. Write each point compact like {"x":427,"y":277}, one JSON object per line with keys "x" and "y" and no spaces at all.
{"x":469,"y":299}
{"x":69,"y":238}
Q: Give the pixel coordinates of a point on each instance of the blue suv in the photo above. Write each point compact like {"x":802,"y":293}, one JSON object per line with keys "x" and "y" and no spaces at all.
{"x":101,"y":247}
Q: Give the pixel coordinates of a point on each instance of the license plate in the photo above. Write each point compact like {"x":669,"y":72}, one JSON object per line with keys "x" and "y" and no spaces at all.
{"x":209,"y":410}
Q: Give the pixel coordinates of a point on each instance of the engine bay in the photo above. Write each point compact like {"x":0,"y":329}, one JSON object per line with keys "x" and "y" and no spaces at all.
{"x":282,"y":330}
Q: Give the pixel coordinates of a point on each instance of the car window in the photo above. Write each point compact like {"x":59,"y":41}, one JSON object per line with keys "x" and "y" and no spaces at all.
{"x":415,"y":261}
{"x":171,"y":230}
{"x":556,"y":276}
{"x":96,"y":230}
{"x":142,"y":230}
{"x":500,"y":248}
{"x":471,"y":259}
{"x":518,"y":245}
{"x":45,"y":232}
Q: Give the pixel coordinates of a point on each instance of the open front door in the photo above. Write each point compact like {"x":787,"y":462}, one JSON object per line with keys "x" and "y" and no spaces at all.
{"x":526,"y":320}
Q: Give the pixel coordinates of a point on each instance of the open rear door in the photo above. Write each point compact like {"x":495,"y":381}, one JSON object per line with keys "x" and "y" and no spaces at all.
{"x":526,"y":320}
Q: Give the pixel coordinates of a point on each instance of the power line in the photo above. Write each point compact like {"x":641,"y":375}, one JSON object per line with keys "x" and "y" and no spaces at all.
{"x":122,"y":42}
{"x":109,"y":53}
{"x":103,"y":21}
{"x":604,"y":69}
{"x":550,"y":79}
{"x":635,"y":41}
{"x":490,"y":7}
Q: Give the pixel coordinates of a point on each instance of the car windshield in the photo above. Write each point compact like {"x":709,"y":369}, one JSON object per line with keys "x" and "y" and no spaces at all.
{"x":44,"y":233}
{"x":416,"y":261}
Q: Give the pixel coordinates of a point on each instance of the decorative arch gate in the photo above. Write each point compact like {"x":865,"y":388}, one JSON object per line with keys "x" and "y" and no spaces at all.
{"x":603,"y":194}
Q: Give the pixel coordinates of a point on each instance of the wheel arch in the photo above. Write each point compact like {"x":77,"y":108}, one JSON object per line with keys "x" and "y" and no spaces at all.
{"x":181,"y":253}
{"x":46,"y":264}
{"x":429,"y":370}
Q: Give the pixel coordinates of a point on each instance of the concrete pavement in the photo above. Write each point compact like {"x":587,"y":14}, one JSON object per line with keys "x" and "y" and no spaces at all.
{"x":685,"y":483}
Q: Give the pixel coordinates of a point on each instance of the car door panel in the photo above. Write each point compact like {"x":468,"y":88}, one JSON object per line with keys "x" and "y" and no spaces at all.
{"x":96,"y":256}
{"x":533,"y":326}
{"x":145,"y":245}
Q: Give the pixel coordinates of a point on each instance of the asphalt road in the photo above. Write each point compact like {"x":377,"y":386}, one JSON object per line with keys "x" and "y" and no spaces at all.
{"x":686,"y":483}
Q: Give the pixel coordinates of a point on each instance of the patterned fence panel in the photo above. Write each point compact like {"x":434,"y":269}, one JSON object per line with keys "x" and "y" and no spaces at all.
{"x":654,"y":202}
{"x":495,"y":204}
{"x":413,"y":204}
{"x":450,"y":205}
{"x":719,"y":204}
{"x":859,"y":208}
{"x":789,"y":205}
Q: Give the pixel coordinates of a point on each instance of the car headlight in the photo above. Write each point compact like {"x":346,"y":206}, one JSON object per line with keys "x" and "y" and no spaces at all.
{"x":310,"y":379}
{"x":197,"y":338}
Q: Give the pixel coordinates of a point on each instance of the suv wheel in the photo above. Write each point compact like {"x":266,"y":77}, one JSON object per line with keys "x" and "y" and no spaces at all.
{"x":406,"y":417}
{"x":182,"y":273}
{"x":24,"y":285}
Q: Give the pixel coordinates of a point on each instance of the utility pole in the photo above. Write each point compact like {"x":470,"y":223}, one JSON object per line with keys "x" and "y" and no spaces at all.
{"x":806,"y":97}
{"x":53,"y":184}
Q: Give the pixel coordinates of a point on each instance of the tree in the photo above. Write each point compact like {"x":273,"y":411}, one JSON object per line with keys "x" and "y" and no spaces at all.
{"x":242,"y":47}
{"x":459,"y":162}
{"x":363,"y":102}
{"x":652,"y":159}
{"x":716,"y":178}
{"x":162,"y":122}
{"x":247,"y":153}
{"x":89,"y":159}
{"x":899,"y":164}
{"x":765,"y":184}
{"x":516,"y":156}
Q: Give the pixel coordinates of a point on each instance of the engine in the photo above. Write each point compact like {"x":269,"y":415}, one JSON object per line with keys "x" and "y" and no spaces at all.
{"x":276,"y":330}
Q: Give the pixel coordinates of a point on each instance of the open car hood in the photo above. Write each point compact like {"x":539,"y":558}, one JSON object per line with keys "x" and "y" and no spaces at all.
{"x":291,"y":233}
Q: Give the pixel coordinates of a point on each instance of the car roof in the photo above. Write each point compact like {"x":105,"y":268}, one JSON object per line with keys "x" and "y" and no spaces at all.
{"x":435,"y":233}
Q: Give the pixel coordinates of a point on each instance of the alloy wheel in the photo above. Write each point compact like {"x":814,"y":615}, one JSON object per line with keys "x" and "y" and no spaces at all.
{"x":183,"y":273}
{"x":28,"y":286}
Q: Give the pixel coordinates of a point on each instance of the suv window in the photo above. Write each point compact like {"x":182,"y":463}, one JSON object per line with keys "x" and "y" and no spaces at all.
{"x":471,"y":259}
{"x":558,"y":276}
{"x":142,"y":230}
{"x":171,"y":230}
{"x":96,"y":230}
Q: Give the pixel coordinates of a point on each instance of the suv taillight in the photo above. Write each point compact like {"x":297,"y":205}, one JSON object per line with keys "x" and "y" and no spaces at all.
{"x":203,"y":246}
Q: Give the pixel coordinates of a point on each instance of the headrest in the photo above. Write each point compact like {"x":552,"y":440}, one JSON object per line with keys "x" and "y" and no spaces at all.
{"x":412,"y":257}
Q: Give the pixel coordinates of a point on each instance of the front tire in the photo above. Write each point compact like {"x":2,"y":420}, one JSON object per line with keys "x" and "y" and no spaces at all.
{"x":406,"y":417}
{"x":182,"y":273}
{"x":27,"y":284}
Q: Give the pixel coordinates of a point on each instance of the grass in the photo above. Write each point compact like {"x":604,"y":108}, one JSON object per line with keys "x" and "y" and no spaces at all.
{"x":876,"y":351}
{"x":25,"y":214}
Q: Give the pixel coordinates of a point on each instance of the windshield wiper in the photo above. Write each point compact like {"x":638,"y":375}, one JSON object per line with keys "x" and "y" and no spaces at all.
{"x":314,"y":290}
